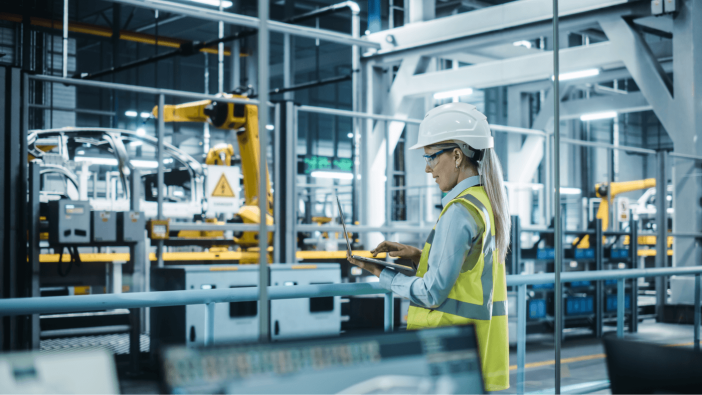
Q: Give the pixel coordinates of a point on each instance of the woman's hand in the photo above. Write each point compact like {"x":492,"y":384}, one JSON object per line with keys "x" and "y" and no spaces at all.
{"x":399,"y":250}
{"x":371,"y":267}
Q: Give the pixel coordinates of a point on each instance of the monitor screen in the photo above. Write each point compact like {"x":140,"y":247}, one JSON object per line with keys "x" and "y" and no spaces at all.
{"x":441,"y":360}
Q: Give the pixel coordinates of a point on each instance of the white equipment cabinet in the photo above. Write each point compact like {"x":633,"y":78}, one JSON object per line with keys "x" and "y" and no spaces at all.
{"x":239,"y":321}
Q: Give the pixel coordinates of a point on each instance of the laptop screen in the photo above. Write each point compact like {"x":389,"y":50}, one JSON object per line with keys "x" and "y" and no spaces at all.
{"x":346,"y":235}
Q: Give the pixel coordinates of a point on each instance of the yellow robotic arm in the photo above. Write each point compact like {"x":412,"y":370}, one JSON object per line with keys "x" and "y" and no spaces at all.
{"x":607,"y":192}
{"x":244,"y":119}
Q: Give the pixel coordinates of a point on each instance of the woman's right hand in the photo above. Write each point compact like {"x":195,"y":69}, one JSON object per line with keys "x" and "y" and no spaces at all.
{"x":399,"y":250}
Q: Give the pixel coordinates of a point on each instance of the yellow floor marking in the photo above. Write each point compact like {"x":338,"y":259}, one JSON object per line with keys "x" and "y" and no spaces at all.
{"x":582,"y":358}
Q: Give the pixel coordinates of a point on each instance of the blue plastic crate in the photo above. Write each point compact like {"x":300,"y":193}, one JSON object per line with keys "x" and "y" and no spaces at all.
{"x":584,"y":253}
{"x":580,"y":284}
{"x":542,"y":286}
{"x":611,"y":304}
{"x":581,"y":305}
{"x":545,"y":253}
{"x":537,"y":308}
{"x":619,"y":253}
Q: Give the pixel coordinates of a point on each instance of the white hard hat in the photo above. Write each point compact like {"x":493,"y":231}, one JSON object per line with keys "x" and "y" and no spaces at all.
{"x":457,"y":122}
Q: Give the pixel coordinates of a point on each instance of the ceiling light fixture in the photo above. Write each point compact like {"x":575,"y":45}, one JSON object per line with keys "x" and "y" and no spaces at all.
{"x":522,"y":43}
{"x":270,"y":127}
{"x":578,"y":74}
{"x":456,"y":93}
{"x":131,"y":113}
{"x":350,"y":135}
{"x":141,"y":132}
{"x":214,"y":3}
{"x":598,"y":115}
{"x":332,"y":174}
{"x":145,"y":114}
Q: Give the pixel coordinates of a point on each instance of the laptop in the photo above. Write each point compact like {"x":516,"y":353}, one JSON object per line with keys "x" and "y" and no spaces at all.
{"x":398,"y":268}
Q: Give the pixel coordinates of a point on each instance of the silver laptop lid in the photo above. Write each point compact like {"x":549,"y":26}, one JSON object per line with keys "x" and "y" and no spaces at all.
{"x":341,"y":215}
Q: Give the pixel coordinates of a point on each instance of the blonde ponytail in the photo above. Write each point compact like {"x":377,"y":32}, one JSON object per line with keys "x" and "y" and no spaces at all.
{"x":491,"y":177}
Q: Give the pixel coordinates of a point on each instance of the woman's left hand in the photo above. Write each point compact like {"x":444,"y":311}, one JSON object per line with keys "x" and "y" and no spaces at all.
{"x":371,"y":267}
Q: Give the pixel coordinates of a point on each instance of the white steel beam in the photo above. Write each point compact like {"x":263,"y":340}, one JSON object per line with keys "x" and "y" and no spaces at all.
{"x":522,"y":69}
{"x":503,"y":23}
{"x":642,"y":62}
{"x":632,"y":102}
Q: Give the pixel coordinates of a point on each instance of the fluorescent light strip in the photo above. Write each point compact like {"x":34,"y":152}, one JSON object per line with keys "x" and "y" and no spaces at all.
{"x":456,"y":93}
{"x":214,"y":3}
{"x":332,"y":174}
{"x":578,"y":74}
{"x":571,"y":191}
{"x":598,"y":115}
{"x":145,"y":114}
{"x":131,"y":113}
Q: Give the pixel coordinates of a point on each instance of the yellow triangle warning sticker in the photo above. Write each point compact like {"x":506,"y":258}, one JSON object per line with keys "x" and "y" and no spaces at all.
{"x":223,"y":189}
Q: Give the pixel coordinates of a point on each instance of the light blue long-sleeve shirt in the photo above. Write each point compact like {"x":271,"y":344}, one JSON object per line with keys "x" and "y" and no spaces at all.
{"x":453,"y":238}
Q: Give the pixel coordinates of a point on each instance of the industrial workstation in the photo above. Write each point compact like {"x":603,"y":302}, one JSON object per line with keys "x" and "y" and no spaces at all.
{"x":460,"y":196}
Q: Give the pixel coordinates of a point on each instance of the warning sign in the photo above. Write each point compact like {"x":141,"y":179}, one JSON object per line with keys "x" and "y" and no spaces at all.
{"x":223,"y":189}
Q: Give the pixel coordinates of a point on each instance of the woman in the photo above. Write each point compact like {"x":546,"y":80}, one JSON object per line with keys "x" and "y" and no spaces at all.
{"x":460,"y":272}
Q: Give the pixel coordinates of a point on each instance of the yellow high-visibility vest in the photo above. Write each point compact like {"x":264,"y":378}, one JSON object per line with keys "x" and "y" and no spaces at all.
{"x":478,"y":297}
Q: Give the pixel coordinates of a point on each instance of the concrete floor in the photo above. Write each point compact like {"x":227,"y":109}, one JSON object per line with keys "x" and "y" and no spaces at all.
{"x":582,"y":357}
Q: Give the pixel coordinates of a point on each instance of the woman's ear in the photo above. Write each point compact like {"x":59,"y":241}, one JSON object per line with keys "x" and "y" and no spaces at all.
{"x":458,"y":157}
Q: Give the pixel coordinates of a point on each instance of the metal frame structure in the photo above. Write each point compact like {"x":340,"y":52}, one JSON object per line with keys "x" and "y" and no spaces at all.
{"x":403,"y":44}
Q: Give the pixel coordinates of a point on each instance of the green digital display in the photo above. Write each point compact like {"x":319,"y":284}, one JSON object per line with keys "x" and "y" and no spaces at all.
{"x":308,"y":164}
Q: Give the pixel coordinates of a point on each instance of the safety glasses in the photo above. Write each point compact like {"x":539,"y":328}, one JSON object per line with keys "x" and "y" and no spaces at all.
{"x":431,"y":159}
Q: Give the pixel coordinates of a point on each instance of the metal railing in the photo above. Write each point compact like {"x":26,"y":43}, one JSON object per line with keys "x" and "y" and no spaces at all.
{"x":64,"y":304}
{"x":137,"y":300}
{"x":521,"y":282}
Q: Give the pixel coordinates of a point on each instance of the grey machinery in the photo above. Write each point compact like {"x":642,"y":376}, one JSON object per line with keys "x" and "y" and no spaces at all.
{"x":239,"y":322}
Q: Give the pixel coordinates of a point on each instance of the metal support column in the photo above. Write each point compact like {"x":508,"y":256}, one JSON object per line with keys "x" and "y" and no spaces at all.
{"x":209,"y":323}
{"x":599,"y":285}
{"x":138,"y":255}
{"x":33,"y":245}
{"x":521,"y":336}
{"x":697,"y":313}
{"x":263,"y":55}
{"x":388,"y":183}
{"x":661,"y":230}
{"x":355,"y":107}
{"x":633,"y":255}
{"x":135,"y":340}
{"x":389,"y":312}
{"x":516,"y":250}
{"x":291,"y":178}
{"x":65,"y":39}
{"x":159,"y":177}
{"x":558,"y":231}
{"x":278,"y":180}
{"x":620,"y":307}
{"x":220,"y":53}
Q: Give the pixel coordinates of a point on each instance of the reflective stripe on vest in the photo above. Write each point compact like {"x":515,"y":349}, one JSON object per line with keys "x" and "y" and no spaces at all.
{"x":489,"y":308}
